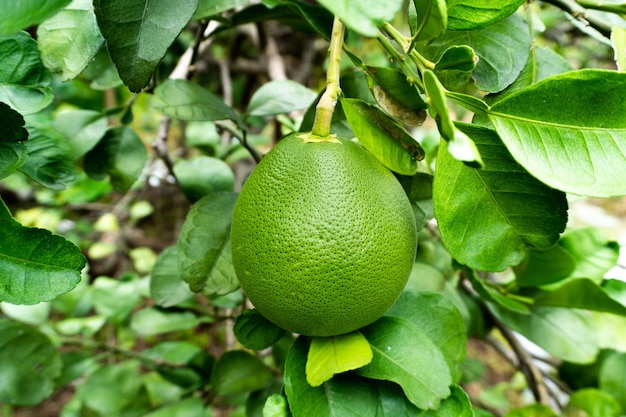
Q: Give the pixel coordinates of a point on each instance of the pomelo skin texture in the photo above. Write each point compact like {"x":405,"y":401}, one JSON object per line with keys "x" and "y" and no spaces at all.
{"x":323,"y":237}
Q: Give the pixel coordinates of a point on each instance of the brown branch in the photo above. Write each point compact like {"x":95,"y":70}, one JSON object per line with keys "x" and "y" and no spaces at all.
{"x":581,"y":14}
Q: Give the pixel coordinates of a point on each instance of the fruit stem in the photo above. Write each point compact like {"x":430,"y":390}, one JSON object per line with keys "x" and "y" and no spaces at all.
{"x":326,"y":105}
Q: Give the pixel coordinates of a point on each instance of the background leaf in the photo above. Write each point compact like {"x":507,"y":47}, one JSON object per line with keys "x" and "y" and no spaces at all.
{"x":594,"y":403}
{"x":167,"y":287}
{"x":208,"y":8}
{"x":120,"y":154}
{"x":545,"y":266}
{"x":419,"y":367}
{"x":612,"y":377}
{"x":472,"y":14}
{"x":185,"y":100}
{"x":364,"y":16}
{"x":344,"y":395}
{"x":393,"y":146}
{"x":237,"y":371}
{"x":595,"y":255}
{"x":427,"y":19}
{"x":35,"y":265}
{"x":583,"y":294}
{"x":204,"y":245}
{"x":83,"y":129}
{"x":495,"y":70}
{"x":139,"y":33}
{"x":278,"y":97}
{"x":203,"y":175}
{"x":336,"y":354}
{"x":490,"y":217}
{"x":563,"y":135}
{"x":70,"y":39}
{"x":29,"y":364}
{"x":255,"y":331}
{"x":23,"y":14}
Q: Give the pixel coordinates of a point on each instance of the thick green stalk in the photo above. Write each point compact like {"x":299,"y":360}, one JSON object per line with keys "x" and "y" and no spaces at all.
{"x":326,"y":106}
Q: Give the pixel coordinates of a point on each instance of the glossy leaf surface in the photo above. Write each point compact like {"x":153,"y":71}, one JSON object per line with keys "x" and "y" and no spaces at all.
{"x":472,"y":14}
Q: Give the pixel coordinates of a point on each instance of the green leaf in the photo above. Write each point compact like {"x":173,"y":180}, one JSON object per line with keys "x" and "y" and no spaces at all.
{"x":392,"y":402}
{"x":167,"y":287}
{"x":565,"y":333}
{"x":395,"y":95}
{"x":460,"y":146}
{"x":393,"y":146}
{"x":477,"y":14}
{"x":275,"y":406}
{"x":203,"y":175}
{"x":533,"y":410}
{"x":192,"y":406}
{"x":439,"y":319}
{"x":13,"y":153}
{"x":35,"y":265}
{"x":204,"y":257}
{"x":593,"y":403}
{"x":280,"y":96}
{"x":545,"y":267}
{"x":102,"y":72}
{"x":29,"y":364}
{"x":618,"y":39}
{"x":489,"y":218}
{"x":139,"y":33}
{"x":457,"y":404}
{"x":255,"y":331}
{"x":494,"y":70}
{"x":151,"y":321}
{"x":612,"y":377}
{"x":49,"y":158}
{"x":120,"y":154}
{"x":364,"y":16}
{"x":237,"y":372}
{"x":427,"y":19}
{"x":563,"y":135}
{"x":490,"y":293}
{"x":209,"y":8}
{"x":583,"y":294}
{"x":23,"y":78}
{"x":336,"y":354}
{"x":455,"y":66}
{"x":70,"y":39}
{"x":185,"y":100}
{"x":115,"y":299}
{"x":25,"y":13}
{"x":83,"y":129}
{"x":595,"y":255}
{"x":114,"y":390}
{"x":344,"y":395}
{"x":418,"y":367}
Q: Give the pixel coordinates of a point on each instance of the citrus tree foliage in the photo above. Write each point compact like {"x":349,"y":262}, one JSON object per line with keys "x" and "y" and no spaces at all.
{"x":488,"y":127}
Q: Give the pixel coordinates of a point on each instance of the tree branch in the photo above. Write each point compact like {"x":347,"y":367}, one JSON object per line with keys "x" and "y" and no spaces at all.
{"x":579,"y":13}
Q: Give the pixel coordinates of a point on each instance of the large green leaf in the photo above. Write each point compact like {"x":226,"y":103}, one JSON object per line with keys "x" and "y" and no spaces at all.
{"x":13,"y":152}
{"x":29,"y":364}
{"x":418,"y":367}
{"x":592,"y":402}
{"x":489,"y":218}
{"x":237,"y":371}
{"x":502,"y":49}
{"x":393,"y":146}
{"x":344,"y":395}
{"x":335,"y":354}
{"x":566,"y":333}
{"x":255,"y":331}
{"x":185,"y":100}
{"x":70,"y":39}
{"x":363,"y":16}
{"x":439,"y":319}
{"x":612,"y":377}
{"x":35,"y":265}
{"x":545,"y":266}
{"x":595,"y":255}
{"x":22,"y":14}
{"x":139,"y":32}
{"x":564,"y":135}
{"x":427,"y":19}
{"x":167,"y":287}
{"x":476,"y":14}
{"x":83,"y":129}
{"x":209,"y":8}
{"x":23,"y":78}
{"x":204,"y":257}
{"x":120,"y":154}
{"x":203,"y":175}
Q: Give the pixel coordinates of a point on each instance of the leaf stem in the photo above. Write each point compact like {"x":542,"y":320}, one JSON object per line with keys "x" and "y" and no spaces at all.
{"x":412,"y":76}
{"x":405,"y":43}
{"x":328,"y":101}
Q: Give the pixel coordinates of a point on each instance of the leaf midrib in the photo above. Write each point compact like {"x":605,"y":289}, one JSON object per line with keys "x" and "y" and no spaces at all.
{"x":554,"y":124}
